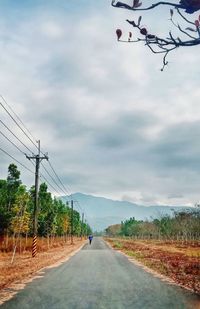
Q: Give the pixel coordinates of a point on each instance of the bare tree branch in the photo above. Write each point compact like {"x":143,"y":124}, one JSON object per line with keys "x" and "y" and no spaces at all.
{"x":190,"y":6}
{"x":132,"y":8}
{"x":190,"y":36}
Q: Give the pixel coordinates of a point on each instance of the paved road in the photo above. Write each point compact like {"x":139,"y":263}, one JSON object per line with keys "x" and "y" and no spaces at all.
{"x":98,"y":277}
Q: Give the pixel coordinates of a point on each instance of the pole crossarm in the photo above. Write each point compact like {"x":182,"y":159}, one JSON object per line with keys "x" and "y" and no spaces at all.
{"x":37,"y":157}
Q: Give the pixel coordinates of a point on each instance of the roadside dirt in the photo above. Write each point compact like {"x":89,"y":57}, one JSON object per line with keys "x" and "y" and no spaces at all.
{"x":25,"y":268}
{"x":179,"y":262}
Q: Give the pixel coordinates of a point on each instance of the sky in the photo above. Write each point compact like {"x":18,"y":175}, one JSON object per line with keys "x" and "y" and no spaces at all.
{"x":112,"y":123}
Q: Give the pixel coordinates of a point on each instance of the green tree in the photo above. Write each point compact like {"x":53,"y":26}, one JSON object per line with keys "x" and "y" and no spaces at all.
{"x":4,"y":214}
{"x":46,"y":216}
{"x":20,"y":222}
{"x":13,"y":183}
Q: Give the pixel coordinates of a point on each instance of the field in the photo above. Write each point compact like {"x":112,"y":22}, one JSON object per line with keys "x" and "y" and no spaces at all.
{"x":177,"y":260}
{"x":23,"y":265}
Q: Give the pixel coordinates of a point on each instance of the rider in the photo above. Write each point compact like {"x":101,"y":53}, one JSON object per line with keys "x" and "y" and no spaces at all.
{"x":90,"y":239}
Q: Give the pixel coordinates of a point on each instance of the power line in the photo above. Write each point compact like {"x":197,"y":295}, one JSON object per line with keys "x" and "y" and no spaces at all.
{"x":65,"y":190}
{"x":52,"y":178}
{"x":12,"y":143}
{"x":20,"y":140}
{"x":78,"y":204}
{"x":17,"y":124}
{"x":17,"y":117}
{"x":15,"y":135}
{"x":42,"y":176}
{"x":16,"y":160}
{"x":67,"y":193}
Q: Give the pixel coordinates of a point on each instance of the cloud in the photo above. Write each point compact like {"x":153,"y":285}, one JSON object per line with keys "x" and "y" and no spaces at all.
{"x":112,"y":123}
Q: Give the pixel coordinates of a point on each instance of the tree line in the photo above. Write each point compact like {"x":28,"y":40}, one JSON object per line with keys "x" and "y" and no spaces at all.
{"x":184,"y":225}
{"x":17,"y":207}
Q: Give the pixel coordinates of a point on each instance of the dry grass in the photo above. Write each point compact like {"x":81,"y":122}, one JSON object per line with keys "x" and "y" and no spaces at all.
{"x":25,"y":266}
{"x":178,"y":261}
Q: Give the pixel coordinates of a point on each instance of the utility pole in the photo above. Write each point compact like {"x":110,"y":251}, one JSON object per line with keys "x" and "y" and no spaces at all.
{"x":37,"y":159}
{"x":86,"y":228}
{"x":82,"y":226}
{"x":72,"y":219}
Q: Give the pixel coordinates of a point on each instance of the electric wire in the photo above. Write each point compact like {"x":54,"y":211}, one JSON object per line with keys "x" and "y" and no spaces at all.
{"x":12,"y":143}
{"x":42,"y":176}
{"x":33,"y":140}
{"x":28,"y":138}
{"x":17,"y":117}
{"x":65,"y":191}
{"x":18,"y":124}
{"x":16,"y":160}
{"x":52,"y":178}
{"x":15,"y":135}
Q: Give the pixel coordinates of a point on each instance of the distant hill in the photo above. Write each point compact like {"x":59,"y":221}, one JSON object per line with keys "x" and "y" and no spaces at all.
{"x":102,"y":212}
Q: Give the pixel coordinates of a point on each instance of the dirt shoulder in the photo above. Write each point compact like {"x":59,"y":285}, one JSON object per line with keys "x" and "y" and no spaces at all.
{"x":179,"y":262}
{"x":25,"y":267}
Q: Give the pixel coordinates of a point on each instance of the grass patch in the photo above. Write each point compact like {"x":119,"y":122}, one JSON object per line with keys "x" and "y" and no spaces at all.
{"x":117,"y":245}
{"x":135,"y":254}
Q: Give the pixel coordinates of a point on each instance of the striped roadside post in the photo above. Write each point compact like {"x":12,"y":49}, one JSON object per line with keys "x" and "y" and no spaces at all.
{"x":34,"y":246}
{"x":37,"y":159}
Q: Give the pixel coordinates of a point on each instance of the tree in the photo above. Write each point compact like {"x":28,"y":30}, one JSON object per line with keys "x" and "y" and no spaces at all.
{"x":17,"y":208}
{"x":62,"y":217}
{"x":113,"y":230}
{"x":20,"y":222}
{"x":46,"y":218}
{"x":130,"y":227}
{"x":189,"y":33}
{"x":76,"y":223}
{"x":8,"y":194}
{"x":4,"y":214}
{"x":13,"y":183}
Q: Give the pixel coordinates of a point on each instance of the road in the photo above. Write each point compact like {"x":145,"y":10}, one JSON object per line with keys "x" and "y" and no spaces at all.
{"x":98,"y":277}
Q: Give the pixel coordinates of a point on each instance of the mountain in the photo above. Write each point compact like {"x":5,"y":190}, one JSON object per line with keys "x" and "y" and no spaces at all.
{"x":102,"y":212}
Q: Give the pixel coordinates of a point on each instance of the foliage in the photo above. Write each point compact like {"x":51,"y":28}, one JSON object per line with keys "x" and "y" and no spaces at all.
{"x":8,"y":194}
{"x":182,"y":225}
{"x":4,"y":213}
{"x":17,"y":205}
{"x":188,"y":29}
{"x":113,"y":230}
{"x":20,"y":222}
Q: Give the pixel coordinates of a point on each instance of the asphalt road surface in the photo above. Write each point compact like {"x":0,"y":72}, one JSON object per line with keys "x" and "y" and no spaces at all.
{"x":98,"y":277}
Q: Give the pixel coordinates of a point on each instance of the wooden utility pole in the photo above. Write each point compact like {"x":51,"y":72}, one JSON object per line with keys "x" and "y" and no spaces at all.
{"x":37,"y":159}
{"x":82,"y":226}
{"x":86,"y":228}
{"x":72,"y":219}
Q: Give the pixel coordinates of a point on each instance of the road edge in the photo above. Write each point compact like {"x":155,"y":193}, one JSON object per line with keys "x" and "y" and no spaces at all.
{"x":152,"y":271}
{"x":9,"y":292}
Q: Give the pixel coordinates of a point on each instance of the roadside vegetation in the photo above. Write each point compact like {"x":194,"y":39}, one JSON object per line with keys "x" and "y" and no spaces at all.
{"x":168,"y":245}
{"x":182,"y":225}
{"x":25,"y":267}
{"x":54,"y":240}
{"x":16,"y":216}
